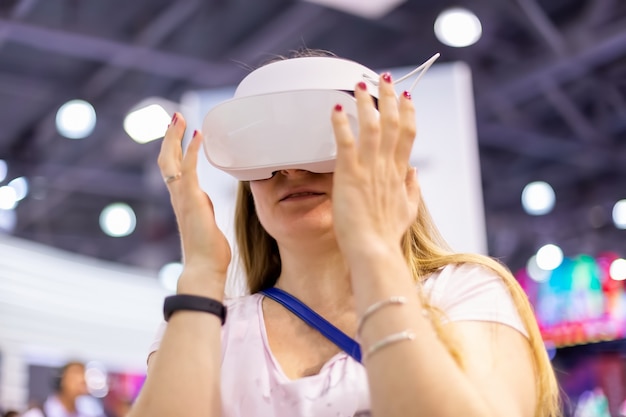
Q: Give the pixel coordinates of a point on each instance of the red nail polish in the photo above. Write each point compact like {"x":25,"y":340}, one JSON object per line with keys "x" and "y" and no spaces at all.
{"x":387,"y":77}
{"x":174,"y":118}
{"x":195,"y":133}
{"x":338,"y":107}
{"x":407,"y":95}
{"x":362,"y":86}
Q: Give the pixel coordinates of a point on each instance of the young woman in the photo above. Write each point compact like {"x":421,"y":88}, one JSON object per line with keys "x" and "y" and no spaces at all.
{"x":442,"y":334}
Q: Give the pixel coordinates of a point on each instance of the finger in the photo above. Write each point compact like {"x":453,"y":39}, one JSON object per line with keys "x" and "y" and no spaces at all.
{"x":171,"y":153}
{"x":346,"y":143}
{"x":369,"y":125}
{"x":190,"y":160}
{"x":407,"y":130}
{"x":389,"y":116}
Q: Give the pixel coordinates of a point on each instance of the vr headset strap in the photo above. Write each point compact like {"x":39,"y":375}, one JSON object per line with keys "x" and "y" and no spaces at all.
{"x":332,"y":333}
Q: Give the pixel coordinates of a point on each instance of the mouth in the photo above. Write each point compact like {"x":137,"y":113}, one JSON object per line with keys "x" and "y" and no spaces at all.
{"x":300,"y":195}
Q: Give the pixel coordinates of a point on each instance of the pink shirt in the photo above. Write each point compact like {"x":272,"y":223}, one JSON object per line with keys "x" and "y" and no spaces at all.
{"x":253,"y":383}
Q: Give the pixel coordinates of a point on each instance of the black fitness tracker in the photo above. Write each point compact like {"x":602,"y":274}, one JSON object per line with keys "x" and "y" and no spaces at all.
{"x":178,"y":302}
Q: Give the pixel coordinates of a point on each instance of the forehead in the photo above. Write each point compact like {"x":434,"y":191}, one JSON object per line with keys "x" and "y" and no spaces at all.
{"x":75,"y":368}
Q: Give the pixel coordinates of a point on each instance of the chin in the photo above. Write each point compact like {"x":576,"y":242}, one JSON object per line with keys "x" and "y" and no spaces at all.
{"x":308,"y":227}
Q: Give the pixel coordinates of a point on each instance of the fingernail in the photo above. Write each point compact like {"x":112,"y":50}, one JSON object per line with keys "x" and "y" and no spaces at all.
{"x":338,"y":107}
{"x":362,"y":86}
{"x":387,"y":77}
{"x":174,"y":118}
{"x":407,"y":95}
{"x":195,"y":133}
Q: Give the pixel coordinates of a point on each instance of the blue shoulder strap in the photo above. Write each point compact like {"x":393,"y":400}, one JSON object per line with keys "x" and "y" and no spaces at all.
{"x":297,"y":307}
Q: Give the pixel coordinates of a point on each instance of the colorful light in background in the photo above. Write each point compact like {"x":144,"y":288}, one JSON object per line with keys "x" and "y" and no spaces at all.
{"x":578,"y":302}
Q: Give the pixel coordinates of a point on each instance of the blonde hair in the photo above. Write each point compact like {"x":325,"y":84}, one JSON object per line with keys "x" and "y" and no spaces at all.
{"x":425,"y":252}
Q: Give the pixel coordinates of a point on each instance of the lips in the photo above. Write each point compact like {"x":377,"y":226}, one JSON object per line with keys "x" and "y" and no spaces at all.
{"x":295,"y":194}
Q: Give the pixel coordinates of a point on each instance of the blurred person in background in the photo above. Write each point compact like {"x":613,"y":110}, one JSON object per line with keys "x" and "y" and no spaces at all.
{"x":69,"y":386}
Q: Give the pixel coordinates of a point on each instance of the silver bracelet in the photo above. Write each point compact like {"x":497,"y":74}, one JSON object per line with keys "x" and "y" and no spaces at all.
{"x":389,"y":340}
{"x":377,"y":306}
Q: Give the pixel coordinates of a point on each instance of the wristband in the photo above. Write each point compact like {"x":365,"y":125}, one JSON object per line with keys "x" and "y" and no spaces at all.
{"x":178,"y":302}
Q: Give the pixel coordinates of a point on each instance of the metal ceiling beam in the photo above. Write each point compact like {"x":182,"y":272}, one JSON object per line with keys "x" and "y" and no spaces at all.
{"x":159,"y":29}
{"x":128,"y":56}
{"x":282,"y":32}
{"x":597,"y":12}
{"x":585,"y":156}
{"x":19,"y":11}
{"x":570,"y":113}
{"x":25,"y":86}
{"x":541,"y":22}
{"x":582,"y":60}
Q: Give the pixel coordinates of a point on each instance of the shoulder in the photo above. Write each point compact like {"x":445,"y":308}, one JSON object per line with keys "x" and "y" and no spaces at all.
{"x":473,"y":292}
{"x":461,"y":278}
{"x":242,"y":306}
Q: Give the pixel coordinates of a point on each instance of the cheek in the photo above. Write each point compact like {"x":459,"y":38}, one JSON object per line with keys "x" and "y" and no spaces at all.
{"x":260,"y":206}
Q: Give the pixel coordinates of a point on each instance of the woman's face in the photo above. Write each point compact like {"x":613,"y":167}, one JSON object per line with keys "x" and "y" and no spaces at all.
{"x":294,"y":203}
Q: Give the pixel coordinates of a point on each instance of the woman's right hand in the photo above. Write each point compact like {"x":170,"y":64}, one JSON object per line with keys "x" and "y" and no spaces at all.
{"x":206,"y":251}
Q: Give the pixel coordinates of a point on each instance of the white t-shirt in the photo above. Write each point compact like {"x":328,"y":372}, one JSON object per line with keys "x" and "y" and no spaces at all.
{"x":86,"y":406}
{"x":253,"y":383}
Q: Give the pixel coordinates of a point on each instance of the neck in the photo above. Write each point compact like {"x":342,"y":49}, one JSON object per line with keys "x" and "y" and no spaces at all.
{"x":68,"y":402}
{"x":318,"y":276}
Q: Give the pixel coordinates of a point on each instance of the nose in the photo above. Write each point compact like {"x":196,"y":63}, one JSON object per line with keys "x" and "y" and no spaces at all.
{"x":293,"y":172}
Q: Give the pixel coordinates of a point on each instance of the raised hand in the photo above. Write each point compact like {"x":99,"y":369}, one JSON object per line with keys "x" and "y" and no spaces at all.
{"x":206,"y":250}
{"x":375,"y":192}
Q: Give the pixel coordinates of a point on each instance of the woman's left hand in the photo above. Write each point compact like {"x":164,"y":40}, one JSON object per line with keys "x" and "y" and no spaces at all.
{"x":375,"y":191}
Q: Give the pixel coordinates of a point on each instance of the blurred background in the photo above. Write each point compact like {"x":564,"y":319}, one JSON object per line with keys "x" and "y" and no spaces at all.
{"x":87,"y":86}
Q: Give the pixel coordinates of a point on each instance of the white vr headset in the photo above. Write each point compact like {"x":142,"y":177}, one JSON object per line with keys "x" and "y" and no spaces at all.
{"x":280,"y":116}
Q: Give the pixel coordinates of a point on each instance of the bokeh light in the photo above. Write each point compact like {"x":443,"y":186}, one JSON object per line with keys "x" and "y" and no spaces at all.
{"x":76,"y":119}
{"x":549,"y":257}
{"x":118,"y":220}
{"x":8,"y":220}
{"x":8,"y":198}
{"x":534,"y":272}
{"x":458,"y":27}
{"x":538,"y":198}
{"x":169,"y":274}
{"x":4,"y":169}
{"x":619,"y":214}
{"x":617,"y":271}
{"x":147,"y":123}
{"x":20,"y":185}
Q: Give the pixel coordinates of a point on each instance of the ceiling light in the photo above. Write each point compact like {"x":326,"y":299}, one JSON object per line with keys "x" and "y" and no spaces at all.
{"x":370,"y":9}
{"x":149,"y":119}
{"x":20,"y":185}
{"x":8,"y":220}
{"x":619,"y":214}
{"x":8,"y":198}
{"x":118,"y":220}
{"x":96,"y":379}
{"x":458,"y":27}
{"x":534,"y":272}
{"x":76,"y":119}
{"x":549,"y":257}
{"x":4,"y":169}
{"x":538,"y":198}
{"x":617,"y":271}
